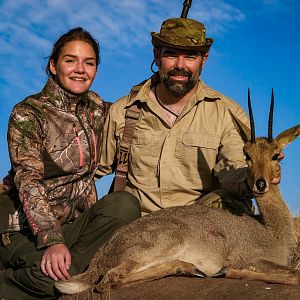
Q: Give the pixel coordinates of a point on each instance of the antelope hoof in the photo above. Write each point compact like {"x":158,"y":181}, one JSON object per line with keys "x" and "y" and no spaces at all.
{"x":198,"y":273}
{"x":221,"y":273}
{"x":193,"y":273}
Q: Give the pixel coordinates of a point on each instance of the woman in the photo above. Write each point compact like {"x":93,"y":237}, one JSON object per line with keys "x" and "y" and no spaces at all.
{"x":51,"y":223}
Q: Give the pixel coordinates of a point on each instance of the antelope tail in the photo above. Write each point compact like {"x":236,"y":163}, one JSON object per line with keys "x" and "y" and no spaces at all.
{"x":72,"y":286}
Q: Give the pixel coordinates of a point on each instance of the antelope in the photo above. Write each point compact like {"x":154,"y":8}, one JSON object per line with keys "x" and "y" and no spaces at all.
{"x":201,"y":241}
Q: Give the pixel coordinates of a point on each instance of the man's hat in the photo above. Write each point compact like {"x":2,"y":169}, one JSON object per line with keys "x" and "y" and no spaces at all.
{"x":182,"y":33}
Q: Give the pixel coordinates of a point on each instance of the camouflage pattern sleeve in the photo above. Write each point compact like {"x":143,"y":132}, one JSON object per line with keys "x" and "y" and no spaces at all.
{"x":25,"y":140}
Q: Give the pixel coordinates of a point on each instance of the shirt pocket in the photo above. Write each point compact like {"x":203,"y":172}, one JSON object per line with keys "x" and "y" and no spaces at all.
{"x":197,"y":153}
{"x":144,"y":156}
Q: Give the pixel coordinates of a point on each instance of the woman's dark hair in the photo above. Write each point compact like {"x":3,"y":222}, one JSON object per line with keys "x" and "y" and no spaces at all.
{"x":75,"y":34}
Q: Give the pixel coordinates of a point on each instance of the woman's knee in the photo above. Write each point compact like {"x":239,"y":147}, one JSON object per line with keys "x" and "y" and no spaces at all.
{"x":127,"y":206}
{"x":123,"y":205}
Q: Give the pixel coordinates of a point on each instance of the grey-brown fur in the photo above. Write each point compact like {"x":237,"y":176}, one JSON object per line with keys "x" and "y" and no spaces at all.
{"x":192,"y":240}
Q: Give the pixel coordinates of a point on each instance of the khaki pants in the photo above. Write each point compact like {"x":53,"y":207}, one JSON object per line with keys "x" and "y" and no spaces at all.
{"x":23,"y":279}
{"x":226,"y":200}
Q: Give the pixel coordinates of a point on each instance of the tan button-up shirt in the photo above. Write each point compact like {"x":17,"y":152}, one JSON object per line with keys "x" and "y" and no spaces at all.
{"x":176,"y":165}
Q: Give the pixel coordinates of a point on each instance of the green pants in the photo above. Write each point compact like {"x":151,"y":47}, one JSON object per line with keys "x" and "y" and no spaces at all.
{"x":23,"y":279}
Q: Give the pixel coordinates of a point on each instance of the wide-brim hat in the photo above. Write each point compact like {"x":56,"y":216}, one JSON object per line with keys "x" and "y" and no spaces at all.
{"x":182,"y":33}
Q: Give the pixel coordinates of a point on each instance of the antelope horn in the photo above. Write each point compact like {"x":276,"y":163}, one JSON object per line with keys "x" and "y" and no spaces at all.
{"x":270,"y":124}
{"x":252,"y":127}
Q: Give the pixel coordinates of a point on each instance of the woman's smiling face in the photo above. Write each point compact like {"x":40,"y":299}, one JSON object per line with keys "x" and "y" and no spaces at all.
{"x":76,"y":67}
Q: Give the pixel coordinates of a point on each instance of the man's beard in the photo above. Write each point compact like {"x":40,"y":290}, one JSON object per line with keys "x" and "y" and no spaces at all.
{"x":175,"y":88}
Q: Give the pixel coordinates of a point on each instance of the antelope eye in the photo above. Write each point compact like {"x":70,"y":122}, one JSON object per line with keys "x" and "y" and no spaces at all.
{"x":275,"y":156}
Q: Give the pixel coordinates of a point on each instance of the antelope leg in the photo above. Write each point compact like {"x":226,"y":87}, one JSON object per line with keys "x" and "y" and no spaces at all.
{"x":177,"y":268}
{"x":282,"y":276}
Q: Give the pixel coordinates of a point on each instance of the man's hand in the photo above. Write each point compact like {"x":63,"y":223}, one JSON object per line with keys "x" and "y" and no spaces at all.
{"x":56,"y":262}
{"x":277,"y":178}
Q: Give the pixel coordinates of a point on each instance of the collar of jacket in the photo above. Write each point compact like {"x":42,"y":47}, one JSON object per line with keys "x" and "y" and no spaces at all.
{"x":203,"y":93}
{"x":60,"y":98}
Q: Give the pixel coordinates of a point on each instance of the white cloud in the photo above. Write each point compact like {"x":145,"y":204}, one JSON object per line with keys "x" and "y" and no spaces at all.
{"x":118,"y":24}
{"x":29,"y":27}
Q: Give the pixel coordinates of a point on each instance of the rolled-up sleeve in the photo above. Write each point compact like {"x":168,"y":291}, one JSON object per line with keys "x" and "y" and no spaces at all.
{"x":231,"y":168}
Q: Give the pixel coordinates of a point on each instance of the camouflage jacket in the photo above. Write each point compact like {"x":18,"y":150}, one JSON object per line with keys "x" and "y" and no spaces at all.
{"x":54,"y":143}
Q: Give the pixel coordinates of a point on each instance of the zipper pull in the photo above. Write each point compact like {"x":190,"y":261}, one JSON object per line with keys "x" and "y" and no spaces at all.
{"x":79,"y":146}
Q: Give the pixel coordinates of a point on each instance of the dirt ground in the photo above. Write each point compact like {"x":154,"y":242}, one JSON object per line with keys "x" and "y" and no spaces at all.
{"x":179,"y":288}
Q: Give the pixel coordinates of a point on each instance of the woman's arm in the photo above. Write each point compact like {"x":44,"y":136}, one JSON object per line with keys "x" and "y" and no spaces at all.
{"x":25,"y":141}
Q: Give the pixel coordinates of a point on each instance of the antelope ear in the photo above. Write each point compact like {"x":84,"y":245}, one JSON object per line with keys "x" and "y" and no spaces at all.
{"x":241,"y":128}
{"x":287,"y":136}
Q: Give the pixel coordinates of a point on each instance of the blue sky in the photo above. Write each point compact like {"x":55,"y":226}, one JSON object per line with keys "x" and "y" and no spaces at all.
{"x":257,"y":45}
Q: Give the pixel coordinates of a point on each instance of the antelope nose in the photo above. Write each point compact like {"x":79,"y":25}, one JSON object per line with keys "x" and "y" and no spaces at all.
{"x":261,"y":184}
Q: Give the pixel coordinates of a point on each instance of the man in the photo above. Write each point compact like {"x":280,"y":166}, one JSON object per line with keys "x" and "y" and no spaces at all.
{"x":184,"y":145}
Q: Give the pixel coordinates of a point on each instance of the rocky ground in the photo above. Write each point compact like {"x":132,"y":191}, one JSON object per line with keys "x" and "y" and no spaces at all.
{"x":179,"y":288}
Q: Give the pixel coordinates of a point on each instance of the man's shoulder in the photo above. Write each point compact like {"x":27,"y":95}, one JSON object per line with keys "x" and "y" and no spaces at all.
{"x":214,"y":94}
{"x":230,"y":103}
{"x":226,"y":102}
{"x":119,"y":104}
{"x":117,"y":109}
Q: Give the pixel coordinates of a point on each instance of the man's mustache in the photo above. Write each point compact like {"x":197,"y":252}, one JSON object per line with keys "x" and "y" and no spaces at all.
{"x":177,"y":72}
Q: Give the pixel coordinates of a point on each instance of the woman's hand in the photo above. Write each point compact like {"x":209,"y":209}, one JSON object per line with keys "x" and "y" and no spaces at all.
{"x":56,"y":262}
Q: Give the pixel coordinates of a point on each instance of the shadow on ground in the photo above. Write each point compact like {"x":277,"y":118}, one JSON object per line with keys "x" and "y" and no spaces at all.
{"x":179,"y":288}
